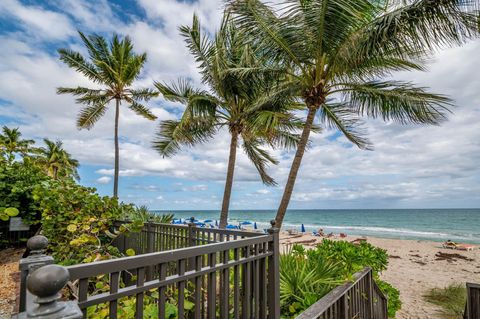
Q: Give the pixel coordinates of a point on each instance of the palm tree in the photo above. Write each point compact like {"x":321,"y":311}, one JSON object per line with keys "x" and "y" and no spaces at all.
{"x":113,"y":67}
{"x":339,"y":56}
{"x":11,"y":142}
{"x":249,"y":114}
{"x":56,"y":161}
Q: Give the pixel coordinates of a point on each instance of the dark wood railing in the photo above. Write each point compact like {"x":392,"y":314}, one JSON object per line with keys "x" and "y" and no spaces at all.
{"x":222,"y":273}
{"x":359,"y":299}
{"x":472,"y":307}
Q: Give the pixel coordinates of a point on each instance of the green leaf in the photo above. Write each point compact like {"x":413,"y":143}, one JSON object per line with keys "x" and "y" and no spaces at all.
{"x":72,"y":228}
{"x":130,"y":252}
{"x":11,"y":211}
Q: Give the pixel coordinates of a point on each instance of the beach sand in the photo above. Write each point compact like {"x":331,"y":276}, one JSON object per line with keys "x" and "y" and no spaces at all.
{"x":414,"y":268}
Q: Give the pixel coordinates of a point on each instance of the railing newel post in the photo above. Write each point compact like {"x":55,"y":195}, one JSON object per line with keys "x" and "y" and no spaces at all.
{"x":37,"y":258}
{"x":150,"y":244}
{"x":274,"y":273}
{"x":45,"y":285}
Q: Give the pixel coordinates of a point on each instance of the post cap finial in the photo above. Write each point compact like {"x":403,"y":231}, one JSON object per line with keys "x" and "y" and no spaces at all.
{"x":47,"y":281}
{"x":37,"y":243}
{"x":273,"y":222}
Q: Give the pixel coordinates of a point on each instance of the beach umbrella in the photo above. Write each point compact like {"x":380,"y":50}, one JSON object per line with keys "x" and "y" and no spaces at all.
{"x":208,"y":221}
{"x":303,"y":228}
{"x":255,"y":225}
{"x":230,"y":226}
{"x":246,"y":223}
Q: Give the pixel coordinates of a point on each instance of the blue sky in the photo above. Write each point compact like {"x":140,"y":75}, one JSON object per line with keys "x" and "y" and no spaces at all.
{"x":411,"y":166}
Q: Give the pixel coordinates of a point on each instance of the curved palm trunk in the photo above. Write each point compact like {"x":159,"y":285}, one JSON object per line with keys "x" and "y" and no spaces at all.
{"x":55,"y":172}
{"x":292,"y":176}
{"x":117,"y":152}
{"x":229,"y":181}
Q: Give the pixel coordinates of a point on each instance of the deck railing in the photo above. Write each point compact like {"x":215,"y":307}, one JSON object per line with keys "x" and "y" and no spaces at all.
{"x":200,"y":272}
{"x":472,"y":307}
{"x":359,"y":299}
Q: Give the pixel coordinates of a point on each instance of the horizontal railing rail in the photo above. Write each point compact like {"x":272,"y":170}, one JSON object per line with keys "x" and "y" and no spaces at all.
{"x":472,"y":306}
{"x":360,"y":299}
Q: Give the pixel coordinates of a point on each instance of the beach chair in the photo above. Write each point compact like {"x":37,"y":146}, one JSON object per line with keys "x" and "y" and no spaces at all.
{"x":453,"y":245}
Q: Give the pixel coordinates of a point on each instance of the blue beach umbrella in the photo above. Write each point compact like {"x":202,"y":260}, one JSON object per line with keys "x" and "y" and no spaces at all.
{"x":230,"y":226}
{"x":303,"y":228}
{"x":255,"y":225}
{"x":208,"y":221}
{"x":246,"y":223}
{"x":216,"y":223}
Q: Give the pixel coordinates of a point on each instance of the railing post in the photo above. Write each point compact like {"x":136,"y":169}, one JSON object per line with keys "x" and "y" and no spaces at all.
{"x":36,"y":258}
{"x":274,"y":273}
{"x":192,"y":241}
{"x":45,"y":284}
{"x":150,"y":244}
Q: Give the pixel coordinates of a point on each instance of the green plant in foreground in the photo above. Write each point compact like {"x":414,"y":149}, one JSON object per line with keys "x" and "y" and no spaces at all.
{"x":451,"y":299}
{"x":143,"y":214}
{"x":306,"y":275}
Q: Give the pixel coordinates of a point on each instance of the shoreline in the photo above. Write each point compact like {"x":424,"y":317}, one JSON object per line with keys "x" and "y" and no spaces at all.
{"x":414,"y":267}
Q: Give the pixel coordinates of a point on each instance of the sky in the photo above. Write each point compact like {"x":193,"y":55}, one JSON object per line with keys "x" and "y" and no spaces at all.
{"x":410,"y":167}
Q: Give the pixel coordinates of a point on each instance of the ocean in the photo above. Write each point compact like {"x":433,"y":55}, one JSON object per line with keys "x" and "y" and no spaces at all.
{"x":462,"y":225}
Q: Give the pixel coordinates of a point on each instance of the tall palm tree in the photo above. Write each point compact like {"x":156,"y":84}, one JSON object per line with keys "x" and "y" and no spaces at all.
{"x":339,"y":56}
{"x":56,"y":161}
{"x":113,"y":67}
{"x":11,"y":142}
{"x":249,"y":114}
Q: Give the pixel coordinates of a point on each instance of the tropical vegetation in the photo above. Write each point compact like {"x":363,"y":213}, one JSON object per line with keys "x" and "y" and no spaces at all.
{"x":308,"y":275}
{"x":247,"y":111}
{"x":56,"y":161}
{"x":338,"y":58}
{"x":12,"y":144}
{"x":112,"y":67}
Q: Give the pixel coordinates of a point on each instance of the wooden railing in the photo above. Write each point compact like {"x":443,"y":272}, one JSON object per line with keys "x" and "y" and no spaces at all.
{"x":359,"y":299}
{"x":199,"y":272}
{"x":472,"y":307}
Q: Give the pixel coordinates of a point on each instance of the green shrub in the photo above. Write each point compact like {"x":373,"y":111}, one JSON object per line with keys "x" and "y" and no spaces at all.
{"x":451,"y":299}
{"x":308,"y":275}
{"x":78,"y":222}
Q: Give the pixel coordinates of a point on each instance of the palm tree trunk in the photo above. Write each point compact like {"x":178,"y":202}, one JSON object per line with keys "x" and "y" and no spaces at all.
{"x":55,"y":173}
{"x":292,"y":176}
{"x":229,"y":181}
{"x":117,"y":152}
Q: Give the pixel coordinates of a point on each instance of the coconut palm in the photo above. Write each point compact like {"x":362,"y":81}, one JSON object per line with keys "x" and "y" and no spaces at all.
{"x":11,"y":142}
{"x":251,"y":116}
{"x":112,"y":67}
{"x":56,"y":161}
{"x":339,"y":56}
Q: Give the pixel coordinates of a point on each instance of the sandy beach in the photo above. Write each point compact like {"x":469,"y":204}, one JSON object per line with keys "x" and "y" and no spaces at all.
{"x":415,"y":267}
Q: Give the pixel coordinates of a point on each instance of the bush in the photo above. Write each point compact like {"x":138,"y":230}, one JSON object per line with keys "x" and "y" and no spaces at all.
{"x":143,"y":214}
{"x":78,"y":222}
{"x":308,"y":275}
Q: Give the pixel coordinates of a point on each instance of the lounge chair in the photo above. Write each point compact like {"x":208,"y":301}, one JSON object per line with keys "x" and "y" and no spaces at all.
{"x":292,"y":231}
{"x":453,"y":245}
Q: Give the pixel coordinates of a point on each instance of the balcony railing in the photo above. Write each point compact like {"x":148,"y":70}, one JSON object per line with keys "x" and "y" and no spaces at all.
{"x":201,"y":272}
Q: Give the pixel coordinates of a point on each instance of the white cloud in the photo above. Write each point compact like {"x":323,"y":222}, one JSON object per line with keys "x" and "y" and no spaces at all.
{"x":104,"y":180}
{"x":38,"y":21}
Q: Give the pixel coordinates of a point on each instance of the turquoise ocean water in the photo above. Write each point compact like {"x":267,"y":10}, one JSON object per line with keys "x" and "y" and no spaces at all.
{"x":421,"y":224}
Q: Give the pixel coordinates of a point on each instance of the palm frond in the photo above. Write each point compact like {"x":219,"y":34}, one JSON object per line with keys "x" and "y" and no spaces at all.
{"x":77,"y":62}
{"x":260,"y":158}
{"x":89,"y":115}
{"x":173,"y":134}
{"x":140,"y":109}
{"x":398,"y":101}
{"x":340,"y":116}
